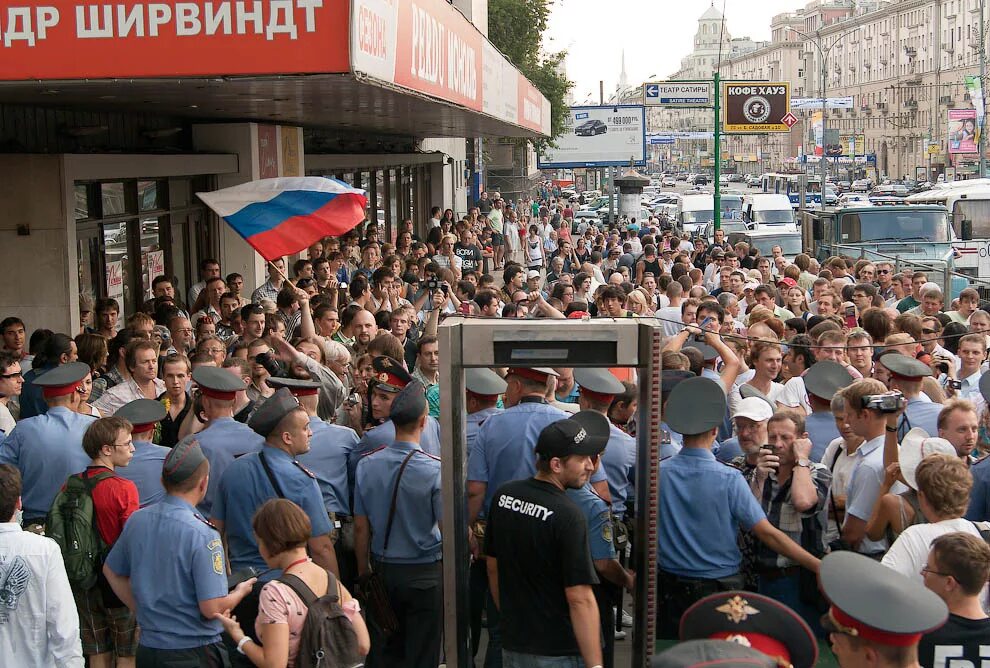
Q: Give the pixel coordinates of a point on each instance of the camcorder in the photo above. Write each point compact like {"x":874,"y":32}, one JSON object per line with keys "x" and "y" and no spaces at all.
{"x":888,"y":402}
{"x":270,"y":364}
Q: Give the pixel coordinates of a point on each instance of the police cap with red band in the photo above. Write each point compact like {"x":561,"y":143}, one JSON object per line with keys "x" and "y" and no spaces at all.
{"x":298,"y":387}
{"x":217,"y":383}
{"x":598,"y":384}
{"x":62,"y":380}
{"x":711,"y":654}
{"x":875,"y":603}
{"x":754,"y":621}
{"x":389,"y":375}
{"x":143,"y":414}
{"x":535,"y":374}
{"x":484,"y":382}
{"x":905,"y":367}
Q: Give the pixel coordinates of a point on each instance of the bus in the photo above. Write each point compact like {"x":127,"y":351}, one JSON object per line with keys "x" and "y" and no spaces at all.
{"x":969,"y":201}
{"x":790,"y":185}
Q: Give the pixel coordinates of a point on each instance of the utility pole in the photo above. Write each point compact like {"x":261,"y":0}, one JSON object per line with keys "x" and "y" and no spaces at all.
{"x":824,"y":163}
{"x":717,"y":213}
{"x":983,"y":76}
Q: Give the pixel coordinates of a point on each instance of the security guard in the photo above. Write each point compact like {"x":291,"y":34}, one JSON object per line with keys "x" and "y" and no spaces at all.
{"x":169,"y":566}
{"x":613,"y":578}
{"x":47,"y":448}
{"x":145,"y":469}
{"x":906,"y":374}
{"x":224,"y":439}
{"x":754,"y":621}
{"x":397,"y":516}
{"x":822,"y":381}
{"x":875,"y":609}
{"x":329,"y":449}
{"x":256,"y":477}
{"x":389,"y":379}
{"x":483,"y":387}
{"x":598,"y":388}
{"x":697,"y":552}
{"x":670,"y":441}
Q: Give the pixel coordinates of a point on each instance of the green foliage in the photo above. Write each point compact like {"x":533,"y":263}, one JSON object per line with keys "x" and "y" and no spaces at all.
{"x":516,"y":28}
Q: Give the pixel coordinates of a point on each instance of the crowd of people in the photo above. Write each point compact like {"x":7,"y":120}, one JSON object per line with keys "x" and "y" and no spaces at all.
{"x":244,"y":455}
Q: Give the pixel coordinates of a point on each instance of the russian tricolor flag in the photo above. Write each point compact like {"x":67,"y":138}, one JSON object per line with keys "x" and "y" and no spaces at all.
{"x":279,"y":217}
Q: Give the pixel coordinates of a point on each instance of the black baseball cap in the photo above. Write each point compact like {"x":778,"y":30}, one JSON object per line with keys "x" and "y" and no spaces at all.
{"x":585,"y":433}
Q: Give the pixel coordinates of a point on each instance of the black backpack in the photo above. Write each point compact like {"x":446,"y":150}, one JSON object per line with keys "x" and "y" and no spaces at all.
{"x":327,"y":638}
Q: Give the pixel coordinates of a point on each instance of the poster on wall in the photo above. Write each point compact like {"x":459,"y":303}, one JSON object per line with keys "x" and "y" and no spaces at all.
{"x":115,"y":279}
{"x":962,"y":131}
{"x":920,"y":174}
{"x":156,"y":265}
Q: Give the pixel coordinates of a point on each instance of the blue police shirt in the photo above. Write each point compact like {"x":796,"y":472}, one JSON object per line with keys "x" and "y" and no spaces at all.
{"x":223,"y":441}
{"x":821,"y":429}
{"x":979,"y":498}
{"x":329,"y":449}
{"x":32,"y":399}
{"x":920,"y":413}
{"x":145,"y":471}
{"x":702,"y":505}
{"x":599,"y":517}
{"x":619,"y":464}
{"x":46,"y":449}
{"x":415,"y":537}
{"x":384,"y":434}
{"x":672,"y":443}
{"x":504,"y":450}
{"x":245,"y":486}
{"x":175,"y":560}
{"x":472,"y":425}
{"x":728,"y":450}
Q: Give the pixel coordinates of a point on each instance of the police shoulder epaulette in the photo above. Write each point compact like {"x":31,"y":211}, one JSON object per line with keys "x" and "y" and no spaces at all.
{"x":304,"y":469}
{"x":206,"y":522}
{"x":371,"y":452}
{"x":981,"y":459}
{"x":436,"y":457}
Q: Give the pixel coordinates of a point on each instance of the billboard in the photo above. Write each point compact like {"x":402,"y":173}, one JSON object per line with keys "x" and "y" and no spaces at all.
{"x":844,"y":144}
{"x":755,"y":106}
{"x":962,"y":131}
{"x":678,"y":93}
{"x":607,"y":136}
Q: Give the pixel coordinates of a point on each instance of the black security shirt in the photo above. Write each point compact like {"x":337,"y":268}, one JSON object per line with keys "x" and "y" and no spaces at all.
{"x":540,"y":538}
{"x":960,"y":639}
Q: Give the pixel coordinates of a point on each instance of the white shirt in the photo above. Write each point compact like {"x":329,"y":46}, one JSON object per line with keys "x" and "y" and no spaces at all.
{"x":909,"y":553}
{"x":39,"y":625}
{"x":7,"y":422}
{"x":841,"y":472}
{"x":776,"y":390}
{"x":124,"y":393}
{"x":795,"y":394}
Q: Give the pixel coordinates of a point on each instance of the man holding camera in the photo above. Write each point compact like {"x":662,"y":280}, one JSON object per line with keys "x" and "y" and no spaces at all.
{"x":906,"y":374}
{"x":868,"y":405}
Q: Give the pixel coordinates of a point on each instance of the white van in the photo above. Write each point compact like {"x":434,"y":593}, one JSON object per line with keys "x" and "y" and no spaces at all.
{"x":769,"y":212}
{"x":695,"y":211}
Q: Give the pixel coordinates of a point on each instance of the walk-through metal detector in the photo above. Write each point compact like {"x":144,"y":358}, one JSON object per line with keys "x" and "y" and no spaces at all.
{"x":465,"y":343}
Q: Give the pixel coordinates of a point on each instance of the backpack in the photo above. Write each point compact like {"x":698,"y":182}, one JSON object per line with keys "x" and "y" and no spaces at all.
{"x":327,"y":639}
{"x":72,"y":524}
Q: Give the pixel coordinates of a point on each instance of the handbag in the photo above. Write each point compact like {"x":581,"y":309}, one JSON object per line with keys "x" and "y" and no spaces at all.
{"x":370,"y":590}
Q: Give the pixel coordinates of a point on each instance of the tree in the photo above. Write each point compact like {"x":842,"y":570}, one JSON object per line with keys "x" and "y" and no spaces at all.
{"x":516,"y":28}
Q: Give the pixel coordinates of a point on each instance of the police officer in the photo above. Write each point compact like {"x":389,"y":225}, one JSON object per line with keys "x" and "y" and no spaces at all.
{"x":397,"y":534}
{"x":145,"y":469}
{"x":483,"y":387}
{"x":598,"y":388}
{"x":822,"y":381}
{"x":613,"y":578}
{"x":755,"y":621}
{"x":697,"y":552}
{"x":388,"y":380}
{"x":329,"y":449}
{"x":256,"y":477}
{"x":224,"y":439}
{"x":670,"y":441}
{"x":906,"y":374}
{"x":47,"y":448}
{"x":876,"y":613}
{"x":168,"y":566}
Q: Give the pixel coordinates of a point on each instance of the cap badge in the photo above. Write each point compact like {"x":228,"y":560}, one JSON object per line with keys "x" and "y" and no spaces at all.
{"x":580,"y":436}
{"x":383,"y":377}
{"x":739,"y":640}
{"x":737,"y":609}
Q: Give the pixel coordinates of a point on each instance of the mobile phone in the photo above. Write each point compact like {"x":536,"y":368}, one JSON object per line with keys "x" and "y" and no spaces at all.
{"x":704,"y":323}
{"x":851,"y":317}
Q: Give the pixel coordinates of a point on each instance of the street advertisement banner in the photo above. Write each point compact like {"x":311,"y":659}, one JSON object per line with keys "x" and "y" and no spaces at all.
{"x":844,"y":144}
{"x":962,"y":131}
{"x":975,"y":88}
{"x":802,"y":103}
{"x":817,"y":132}
{"x":756,"y":106}
{"x":609,"y":136}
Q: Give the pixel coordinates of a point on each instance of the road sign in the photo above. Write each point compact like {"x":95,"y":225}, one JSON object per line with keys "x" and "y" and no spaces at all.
{"x":756,"y":106}
{"x":789,"y":119}
{"x":677,"y":93}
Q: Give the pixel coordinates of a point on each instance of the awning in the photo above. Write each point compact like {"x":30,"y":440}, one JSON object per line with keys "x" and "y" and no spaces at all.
{"x":388,"y":66}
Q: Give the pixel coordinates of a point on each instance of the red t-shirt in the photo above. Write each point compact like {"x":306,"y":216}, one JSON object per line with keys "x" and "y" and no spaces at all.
{"x":114,"y":500}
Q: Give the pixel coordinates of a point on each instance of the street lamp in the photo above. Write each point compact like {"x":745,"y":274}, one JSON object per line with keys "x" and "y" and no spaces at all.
{"x":823,"y":54}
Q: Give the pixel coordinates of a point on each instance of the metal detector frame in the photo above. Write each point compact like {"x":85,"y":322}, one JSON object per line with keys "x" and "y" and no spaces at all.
{"x":470,"y":342}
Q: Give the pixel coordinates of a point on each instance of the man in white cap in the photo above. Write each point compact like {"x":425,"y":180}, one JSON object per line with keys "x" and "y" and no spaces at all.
{"x":750,"y":423}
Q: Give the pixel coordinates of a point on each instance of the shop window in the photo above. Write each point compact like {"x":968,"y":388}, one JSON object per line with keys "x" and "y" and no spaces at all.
{"x":150,"y":195}
{"x":112,"y":199}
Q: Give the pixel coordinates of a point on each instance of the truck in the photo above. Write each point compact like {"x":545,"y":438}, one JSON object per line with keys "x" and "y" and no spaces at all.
{"x":694,"y":211}
{"x":769,"y":211}
{"x":918,"y":237}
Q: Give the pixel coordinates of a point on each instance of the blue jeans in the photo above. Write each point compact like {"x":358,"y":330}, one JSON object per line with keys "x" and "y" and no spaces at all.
{"x":512,"y":659}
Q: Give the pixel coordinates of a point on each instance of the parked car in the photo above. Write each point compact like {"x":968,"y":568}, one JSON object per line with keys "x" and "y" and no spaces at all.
{"x":590,"y":129}
{"x":681,"y":177}
{"x":736,"y":178}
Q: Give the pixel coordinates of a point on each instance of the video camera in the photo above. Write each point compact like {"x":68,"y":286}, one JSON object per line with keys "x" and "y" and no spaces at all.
{"x":888,"y":402}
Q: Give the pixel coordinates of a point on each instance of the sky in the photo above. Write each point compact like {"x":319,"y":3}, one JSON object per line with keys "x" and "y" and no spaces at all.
{"x":655,"y":34}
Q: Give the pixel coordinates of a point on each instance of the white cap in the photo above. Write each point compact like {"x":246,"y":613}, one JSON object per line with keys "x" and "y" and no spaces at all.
{"x":532,"y":274}
{"x":917,"y":445}
{"x":751,"y":285}
{"x":754,"y":408}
